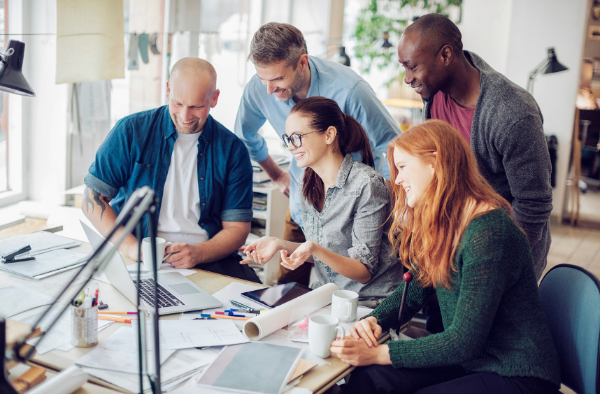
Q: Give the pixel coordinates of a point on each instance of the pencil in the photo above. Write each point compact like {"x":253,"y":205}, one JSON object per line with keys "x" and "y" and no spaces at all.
{"x":116,"y":313}
{"x":117,"y":319}
{"x":224,"y":317}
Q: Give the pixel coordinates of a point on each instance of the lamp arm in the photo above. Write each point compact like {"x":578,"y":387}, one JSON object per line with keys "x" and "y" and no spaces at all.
{"x":142,"y":203}
{"x":534,"y":73}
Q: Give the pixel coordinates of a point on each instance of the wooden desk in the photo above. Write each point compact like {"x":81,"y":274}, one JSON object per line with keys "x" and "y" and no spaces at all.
{"x":317,"y":380}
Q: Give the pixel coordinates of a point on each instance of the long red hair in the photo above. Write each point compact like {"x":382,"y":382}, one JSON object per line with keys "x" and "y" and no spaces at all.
{"x":427,"y":236}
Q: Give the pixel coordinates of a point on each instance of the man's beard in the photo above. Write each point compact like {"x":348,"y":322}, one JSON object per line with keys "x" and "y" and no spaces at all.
{"x":192,"y":129}
{"x":292,"y":90}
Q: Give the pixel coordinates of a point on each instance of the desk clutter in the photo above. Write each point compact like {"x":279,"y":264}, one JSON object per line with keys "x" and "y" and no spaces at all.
{"x":241,"y":346}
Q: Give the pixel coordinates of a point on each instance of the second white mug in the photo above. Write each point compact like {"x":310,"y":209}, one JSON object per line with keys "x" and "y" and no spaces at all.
{"x":322,"y":330}
{"x":161,"y":245}
{"x":344,"y":305}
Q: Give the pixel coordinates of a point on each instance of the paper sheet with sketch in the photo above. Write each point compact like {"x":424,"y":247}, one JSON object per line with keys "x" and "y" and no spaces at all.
{"x":182,"y":334}
{"x":17,"y":299}
{"x":118,"y":353}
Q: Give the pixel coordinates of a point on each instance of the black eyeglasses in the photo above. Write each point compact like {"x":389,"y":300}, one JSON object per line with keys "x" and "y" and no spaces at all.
{"x":294,"y":139}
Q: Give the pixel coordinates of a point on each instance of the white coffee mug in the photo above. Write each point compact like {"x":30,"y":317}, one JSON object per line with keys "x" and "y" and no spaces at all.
{"x":322,"y":331}
{"x":161,"y":245}
{"x":344,"y":304}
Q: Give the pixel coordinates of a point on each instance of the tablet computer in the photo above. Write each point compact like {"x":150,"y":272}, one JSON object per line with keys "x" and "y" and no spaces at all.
{"x":272,"y":297}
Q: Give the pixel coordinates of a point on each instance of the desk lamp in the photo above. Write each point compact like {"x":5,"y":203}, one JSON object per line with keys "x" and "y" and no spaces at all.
{"x":12,"y":79}
{"x":550,"y":65}
{"x":143,"y":201}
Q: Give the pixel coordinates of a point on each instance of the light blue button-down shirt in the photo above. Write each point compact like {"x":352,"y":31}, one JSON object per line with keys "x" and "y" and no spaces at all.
{"x":327,"y":79}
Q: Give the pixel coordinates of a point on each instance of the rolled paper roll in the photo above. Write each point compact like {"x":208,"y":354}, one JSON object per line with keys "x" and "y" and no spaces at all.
{"x":266,"y":323}
{"x":65,"y":382}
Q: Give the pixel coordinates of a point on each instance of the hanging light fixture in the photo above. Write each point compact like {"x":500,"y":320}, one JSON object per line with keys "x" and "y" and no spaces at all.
{"x":12,"y":79}
{"x":341,"y":57}
{"x":386,"y":42}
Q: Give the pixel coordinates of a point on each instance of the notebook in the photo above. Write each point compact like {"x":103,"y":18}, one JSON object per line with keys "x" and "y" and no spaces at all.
{"x":252,"y":368}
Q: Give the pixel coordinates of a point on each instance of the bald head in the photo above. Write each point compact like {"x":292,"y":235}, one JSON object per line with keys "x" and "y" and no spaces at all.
{"x":195,"y":69}
{"x":433,"y":31}
{"x":192,"y":92}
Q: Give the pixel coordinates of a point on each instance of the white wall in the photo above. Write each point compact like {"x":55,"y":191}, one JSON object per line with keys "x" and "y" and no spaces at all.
{"x":535,"y":26}
{"x":44,"y":121}
{"x":485,"y":29}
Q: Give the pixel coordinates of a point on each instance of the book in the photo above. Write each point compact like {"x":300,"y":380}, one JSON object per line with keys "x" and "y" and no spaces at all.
{"x":252,"y":368}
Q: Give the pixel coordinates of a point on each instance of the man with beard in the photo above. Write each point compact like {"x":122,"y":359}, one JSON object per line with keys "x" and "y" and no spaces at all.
{"x":279,"y":54}
{"x":500,"y":120}
{"x":199,"y":170}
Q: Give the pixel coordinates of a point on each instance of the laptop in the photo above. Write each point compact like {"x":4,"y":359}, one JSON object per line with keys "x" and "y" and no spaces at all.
{"x":176,"y":293}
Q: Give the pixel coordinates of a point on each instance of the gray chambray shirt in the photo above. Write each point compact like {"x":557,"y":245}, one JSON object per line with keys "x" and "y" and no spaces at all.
{"x":351,"y":225}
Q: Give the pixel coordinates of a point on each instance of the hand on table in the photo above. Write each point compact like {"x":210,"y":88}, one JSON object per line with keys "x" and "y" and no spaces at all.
{"x":184,"y":255}
{"x":300,"y":255}
{"x":261,"y":250}
{"x":367,"y":330}
{"x":356,"y":352}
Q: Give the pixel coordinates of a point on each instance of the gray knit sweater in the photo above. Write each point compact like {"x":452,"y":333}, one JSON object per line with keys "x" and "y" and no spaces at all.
{"x":507,"y":138}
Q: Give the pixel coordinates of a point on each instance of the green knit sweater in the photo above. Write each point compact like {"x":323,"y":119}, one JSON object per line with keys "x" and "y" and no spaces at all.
{"x":493,"y":317}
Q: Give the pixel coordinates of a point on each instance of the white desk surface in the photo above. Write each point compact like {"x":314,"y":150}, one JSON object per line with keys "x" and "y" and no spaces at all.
{"x":317,"y":380}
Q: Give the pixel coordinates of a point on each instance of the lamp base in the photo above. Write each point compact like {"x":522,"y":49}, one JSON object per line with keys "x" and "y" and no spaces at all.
{"x":5,"y":386}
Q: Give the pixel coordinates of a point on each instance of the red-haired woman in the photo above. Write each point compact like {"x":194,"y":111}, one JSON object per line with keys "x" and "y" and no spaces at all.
{"x":345,"y":204}
{"x":452,"y":230}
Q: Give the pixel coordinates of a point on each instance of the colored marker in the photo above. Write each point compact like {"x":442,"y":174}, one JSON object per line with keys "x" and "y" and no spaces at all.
{"x":116,"y":313}
{"x":117,"y":319}
{"x":224,"y":317}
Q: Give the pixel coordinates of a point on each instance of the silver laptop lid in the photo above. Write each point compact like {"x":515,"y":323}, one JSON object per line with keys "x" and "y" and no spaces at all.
{"x":116,"y":270}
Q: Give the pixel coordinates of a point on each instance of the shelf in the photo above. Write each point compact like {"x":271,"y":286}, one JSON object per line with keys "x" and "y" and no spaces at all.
{"x":260,"y":214}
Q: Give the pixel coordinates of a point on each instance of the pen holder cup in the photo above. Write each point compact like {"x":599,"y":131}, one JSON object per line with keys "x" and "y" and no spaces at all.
{"x":84,"y":326}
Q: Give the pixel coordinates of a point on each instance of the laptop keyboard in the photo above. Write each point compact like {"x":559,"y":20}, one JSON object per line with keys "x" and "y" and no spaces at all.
{"x":165,"y":297}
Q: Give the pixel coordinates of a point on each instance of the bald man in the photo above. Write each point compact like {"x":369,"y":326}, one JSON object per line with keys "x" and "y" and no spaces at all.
{"x":200,"y":171}
{"x":500,"y":120}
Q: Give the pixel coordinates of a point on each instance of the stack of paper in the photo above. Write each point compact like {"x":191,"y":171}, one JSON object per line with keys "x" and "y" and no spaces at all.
{"x":40,"y":242}
{"x":115,"y":361}
{"x":46,"y":264}
{"x":48,"y":249}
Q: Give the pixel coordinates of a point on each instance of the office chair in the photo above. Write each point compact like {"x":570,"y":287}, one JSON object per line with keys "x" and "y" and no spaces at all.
{"x":571,"y":300}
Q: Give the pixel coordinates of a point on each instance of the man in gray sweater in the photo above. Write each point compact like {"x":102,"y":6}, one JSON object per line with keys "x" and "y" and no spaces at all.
{"x":502,"y":122}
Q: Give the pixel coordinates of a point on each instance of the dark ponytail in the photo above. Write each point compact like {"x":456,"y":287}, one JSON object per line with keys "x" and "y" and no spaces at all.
{"x":351,"y":137}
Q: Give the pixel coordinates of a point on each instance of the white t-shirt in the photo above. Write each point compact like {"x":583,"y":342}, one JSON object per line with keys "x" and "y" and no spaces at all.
{"x":180,"y":209}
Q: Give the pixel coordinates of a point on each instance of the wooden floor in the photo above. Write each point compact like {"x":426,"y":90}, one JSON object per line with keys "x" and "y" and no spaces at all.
{"x":577,"y":246}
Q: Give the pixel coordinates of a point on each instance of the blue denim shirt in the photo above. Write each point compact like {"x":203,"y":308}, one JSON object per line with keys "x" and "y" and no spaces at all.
{"x":327,"y":79}
{"x":137,"y":152}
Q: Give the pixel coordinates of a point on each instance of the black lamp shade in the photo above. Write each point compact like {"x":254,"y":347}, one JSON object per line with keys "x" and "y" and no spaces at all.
{"x":386,"y":41}
{"x":553,"y":65}
{"x":11,"y":76}
{"x":342,"y":57}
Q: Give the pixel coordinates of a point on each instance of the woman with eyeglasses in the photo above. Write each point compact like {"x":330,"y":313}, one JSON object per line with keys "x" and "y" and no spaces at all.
{"x":345,"y":204}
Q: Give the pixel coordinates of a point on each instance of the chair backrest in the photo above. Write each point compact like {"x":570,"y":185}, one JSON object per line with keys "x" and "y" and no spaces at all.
{"x":571,"y":300}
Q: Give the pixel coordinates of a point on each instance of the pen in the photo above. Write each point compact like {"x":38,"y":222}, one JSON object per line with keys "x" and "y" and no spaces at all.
{"x":117,"y":319}
{"x":116,"y":313}
{"x":224,"y":317}
{"x":167,"y":255}
{"x":246,"y":308}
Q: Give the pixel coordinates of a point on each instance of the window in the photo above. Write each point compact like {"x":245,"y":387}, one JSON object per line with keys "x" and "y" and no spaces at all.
{"x":3,"y":110}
